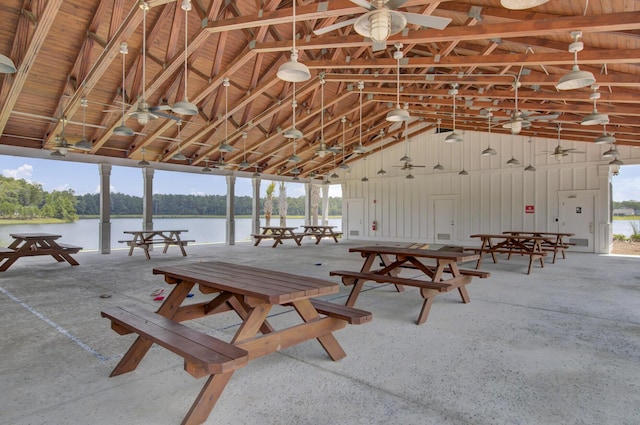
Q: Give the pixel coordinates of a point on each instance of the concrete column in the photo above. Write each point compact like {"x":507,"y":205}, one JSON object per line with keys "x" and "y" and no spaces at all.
{"x":255,"y":209}
{"x":231,"y":204}
{"x":603,"y":237}
{"x":104,"y":232}
{"x":307,"y":202}
{"x":147,"y":198}
{"x":325,"y":204}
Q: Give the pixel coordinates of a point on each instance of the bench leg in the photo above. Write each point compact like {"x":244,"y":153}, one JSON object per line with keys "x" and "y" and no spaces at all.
{"x":206,"y":400}
{"x":146,"y":252}
{"x":8,"y":263}
{"x":132,"y":358}
{"x":464,"y":294}
{"x":308,"y":313}
{"x":426,"y":306}
{"x":353,"y":296}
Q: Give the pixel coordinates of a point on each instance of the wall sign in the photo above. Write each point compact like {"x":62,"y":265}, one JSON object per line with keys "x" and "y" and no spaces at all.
{"x":529,"y":209}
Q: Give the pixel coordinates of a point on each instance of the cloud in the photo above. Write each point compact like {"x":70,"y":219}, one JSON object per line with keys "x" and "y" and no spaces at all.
{"x":24,"y":171}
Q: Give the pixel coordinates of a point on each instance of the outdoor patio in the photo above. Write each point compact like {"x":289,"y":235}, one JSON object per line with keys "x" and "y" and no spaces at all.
{"x":559,"y":346}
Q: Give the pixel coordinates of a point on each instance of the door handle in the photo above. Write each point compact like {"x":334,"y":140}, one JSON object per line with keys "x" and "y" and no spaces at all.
{"x":591,"y":227}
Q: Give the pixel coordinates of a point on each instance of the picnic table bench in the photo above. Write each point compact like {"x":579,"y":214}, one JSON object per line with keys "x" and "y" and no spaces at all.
{"x":278,"y":234}
{"x":251,"y":293}
{"x":32,"y":244}
{"x":509,"y":244}
{"x":320,"y":232}
{"x":145,"y":239}
{"x":553,"y":241}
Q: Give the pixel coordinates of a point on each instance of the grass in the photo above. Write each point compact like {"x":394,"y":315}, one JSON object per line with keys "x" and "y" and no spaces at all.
{"x":626,"y":217}
{"x":32,"y":221}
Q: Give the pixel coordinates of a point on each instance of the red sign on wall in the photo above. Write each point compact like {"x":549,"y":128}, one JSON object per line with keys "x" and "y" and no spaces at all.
{"x":528,"y":209}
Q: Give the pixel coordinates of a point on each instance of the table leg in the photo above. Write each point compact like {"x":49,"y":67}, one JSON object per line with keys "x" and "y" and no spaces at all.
{"x":243,"y":311}
{"x":330,"y":344}
{"x":206,"y":400}
{"x":429,"y":295}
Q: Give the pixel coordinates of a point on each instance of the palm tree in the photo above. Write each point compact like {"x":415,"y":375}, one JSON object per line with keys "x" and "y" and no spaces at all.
{"x":268,"y":203}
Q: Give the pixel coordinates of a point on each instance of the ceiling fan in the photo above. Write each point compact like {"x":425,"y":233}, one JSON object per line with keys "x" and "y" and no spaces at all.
{"x":383,"y":20}
{"x":559,"y":152}
{"x":408,"y":166}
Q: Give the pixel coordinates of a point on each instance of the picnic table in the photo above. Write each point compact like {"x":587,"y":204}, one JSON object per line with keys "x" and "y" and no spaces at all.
{"x":444,"y":276}
{"x":510,"y":244}
{"x":145,"y":239}
{"x":249,"y":291}
{"x":320,"y":232}
{"x":553,"y":241}
{"x":278,"y":234}
{"x":31,"y":244}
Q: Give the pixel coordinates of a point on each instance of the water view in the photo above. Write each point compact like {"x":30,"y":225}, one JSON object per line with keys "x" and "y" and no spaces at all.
{"x":84,"y":232}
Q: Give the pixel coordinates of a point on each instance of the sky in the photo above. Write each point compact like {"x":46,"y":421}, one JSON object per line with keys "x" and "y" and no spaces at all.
{"x":85,"y":178}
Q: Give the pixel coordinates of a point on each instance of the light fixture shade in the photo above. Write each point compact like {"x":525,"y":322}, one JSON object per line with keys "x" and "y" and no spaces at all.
{"x":489,"y":152}
{"x":453,"y":138}
{"x":244,"y":164}
{"x":595,"y":118}
{"x":381,"y":172}
{"x":179,"y":157}
{"x":123,"y":130}
{"x":513,"y":161}
{"x":530,"y":168}
{"x":294,"y":158}
{"x":343,"y":166}
{"x":360,"y":149}
{"x":334,"y":175}
{"x":379,"y":24}
{"x":463,"y":173}
{"x":225,"y":147}
{"x":576,"y":79}
{"x":6,"y":65}
{"x":206,"y":169}
{"x":405,"y":159}
{"x":293,"y":71}
{"x":616,"y":162}
{"x":438,"y":167}
{"x":83,"y":144}
{"x":398,"y":115}
{"x":57,"y":154}
{"x":611,"y":153}
{"x":293,"y":133}
{"x":255,"y":174}
{"x":184,"y":107}
{"x":521,"y":4}
{"x":364,"y":179}
{"x":604,"y":139}
{"x":143,"y":163}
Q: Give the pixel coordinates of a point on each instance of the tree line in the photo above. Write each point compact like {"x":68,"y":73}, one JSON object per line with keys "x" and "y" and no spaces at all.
{"x":25,"y":200}
{"x":634,"y":205}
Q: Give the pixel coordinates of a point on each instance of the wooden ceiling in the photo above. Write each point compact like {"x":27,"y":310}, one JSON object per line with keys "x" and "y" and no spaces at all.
{"x":67,"y":51}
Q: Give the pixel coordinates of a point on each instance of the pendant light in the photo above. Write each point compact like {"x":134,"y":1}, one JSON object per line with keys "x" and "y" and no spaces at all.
{"x":322,"y":151}
{"x":343,"y":165}
{"x":489,"y":151}
{"x":62,"y":146}
{"x":453,"y":137}
{"x":381,"y":171}
{"x":293,"y":132}
{"x":122,"y":129}
{"x":206,"y":168}
{"x":334,"y":175}
{"x":512,"y":161}
{"x":364,"y":179}
{"x":360,"y":148}
{"x":398,"y":114}
{"x":605,"y":138}
{"x":463,"y":172}
{"x":244,"y":163}
{"x":438,"y":167}
{"x":185,"y":107}
{"x":6,"y":65}
{"x":224,"y":146}
{"x":576,"y":79}
{"x":179,"y":156}
{"x":294,"y":71}
{"x":143,"y":162}
{"x":84,"y":144}
{"x":406,"y":157}
{"x":521,"y":4}
{"x":612,"y":152}
{"x":595,"y":118}
{"x":142,"y":114}
{"x":530,"y":167}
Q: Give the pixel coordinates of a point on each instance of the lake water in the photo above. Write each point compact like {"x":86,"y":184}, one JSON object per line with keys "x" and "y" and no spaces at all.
{"x":623,"y":227}
{"x":84,"y":232}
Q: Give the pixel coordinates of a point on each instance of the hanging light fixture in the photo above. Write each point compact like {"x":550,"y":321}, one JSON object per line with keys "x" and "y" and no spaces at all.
{"x":513,"y":161}
{"x":343,"y":165}
{"x":576,"y":79}
{"x":244,"y":163}
{"x":406,"y":157}
{"x":142,"y":114}
{"x":612,"y":152}
{"x":453,"y":137}
{"x":438,"y":167}
{"x":84,"y":144}
{"x":185,"y":107}
{"x":322,"y":150}
{"x":6,"y":65}
{"x":224,"y":146}
{"x":521,"y":4}
{"x":143,"y":162}
{"x":294,"y":71}
{"x":122,"y":129}
{"x":605,"y":138}
{"x":489,"y":151}
{"x":463,"y":172}
{"x":530,"y":167}
{"x":293,"y":132}
{"x":360,"y":148}
{"x":62,"y":146}
{"x":595,"y":117}
{"x":179,"y":156}
{"x":381,"y":171}
{"x":398,"y":114}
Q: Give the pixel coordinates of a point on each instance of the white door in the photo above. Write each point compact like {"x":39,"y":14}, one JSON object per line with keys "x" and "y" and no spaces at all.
{"x":443,"y":221}
{"x":577,"y":215}
{"x":355,"y":219}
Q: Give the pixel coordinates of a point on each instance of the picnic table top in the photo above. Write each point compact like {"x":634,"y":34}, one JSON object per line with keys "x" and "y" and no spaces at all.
{"x":133,"y":232}
{"x":416,"y":252}
{"x":35,"y":236}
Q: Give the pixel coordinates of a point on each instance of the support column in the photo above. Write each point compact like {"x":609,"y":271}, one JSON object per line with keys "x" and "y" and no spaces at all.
{"x":255,"y":209}
{"x":307,"y":203}
{"x":147,"y":198}
{"x":325,"y":204}
{"x":231,"y":204}
{"x":104,"y":232}
{"x":603,"y":233}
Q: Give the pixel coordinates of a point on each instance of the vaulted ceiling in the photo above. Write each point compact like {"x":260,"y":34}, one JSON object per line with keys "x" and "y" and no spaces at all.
{"x":69,"y":78}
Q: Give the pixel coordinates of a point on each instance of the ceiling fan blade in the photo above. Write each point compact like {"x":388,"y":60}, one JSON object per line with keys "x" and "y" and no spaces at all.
{"x":427,"y":20}
{"x":543,"y":117}
{"x":394,"y":4}
{"x":362,"y":3}
{"x":334,"y":27}
{"x":159,"y":108}
{"x":163,"y":115}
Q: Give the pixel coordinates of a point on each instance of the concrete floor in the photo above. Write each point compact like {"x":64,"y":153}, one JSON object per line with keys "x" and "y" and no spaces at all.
{"x":559,"y":346}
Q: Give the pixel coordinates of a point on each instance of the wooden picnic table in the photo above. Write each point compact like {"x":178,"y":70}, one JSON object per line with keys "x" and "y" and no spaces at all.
{"x":145,"y":239}
{"x":510,"y":244}
{"x":249,"y":291}
{"x":553,"y":241}
{"x":320,"y":232}
{"x":278,"y":234}
{"x":31,"y":244}
{"x":444,"y":276}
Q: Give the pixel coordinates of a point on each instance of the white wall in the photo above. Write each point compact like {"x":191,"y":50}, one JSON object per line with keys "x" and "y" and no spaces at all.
{"x":491,"y":198}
